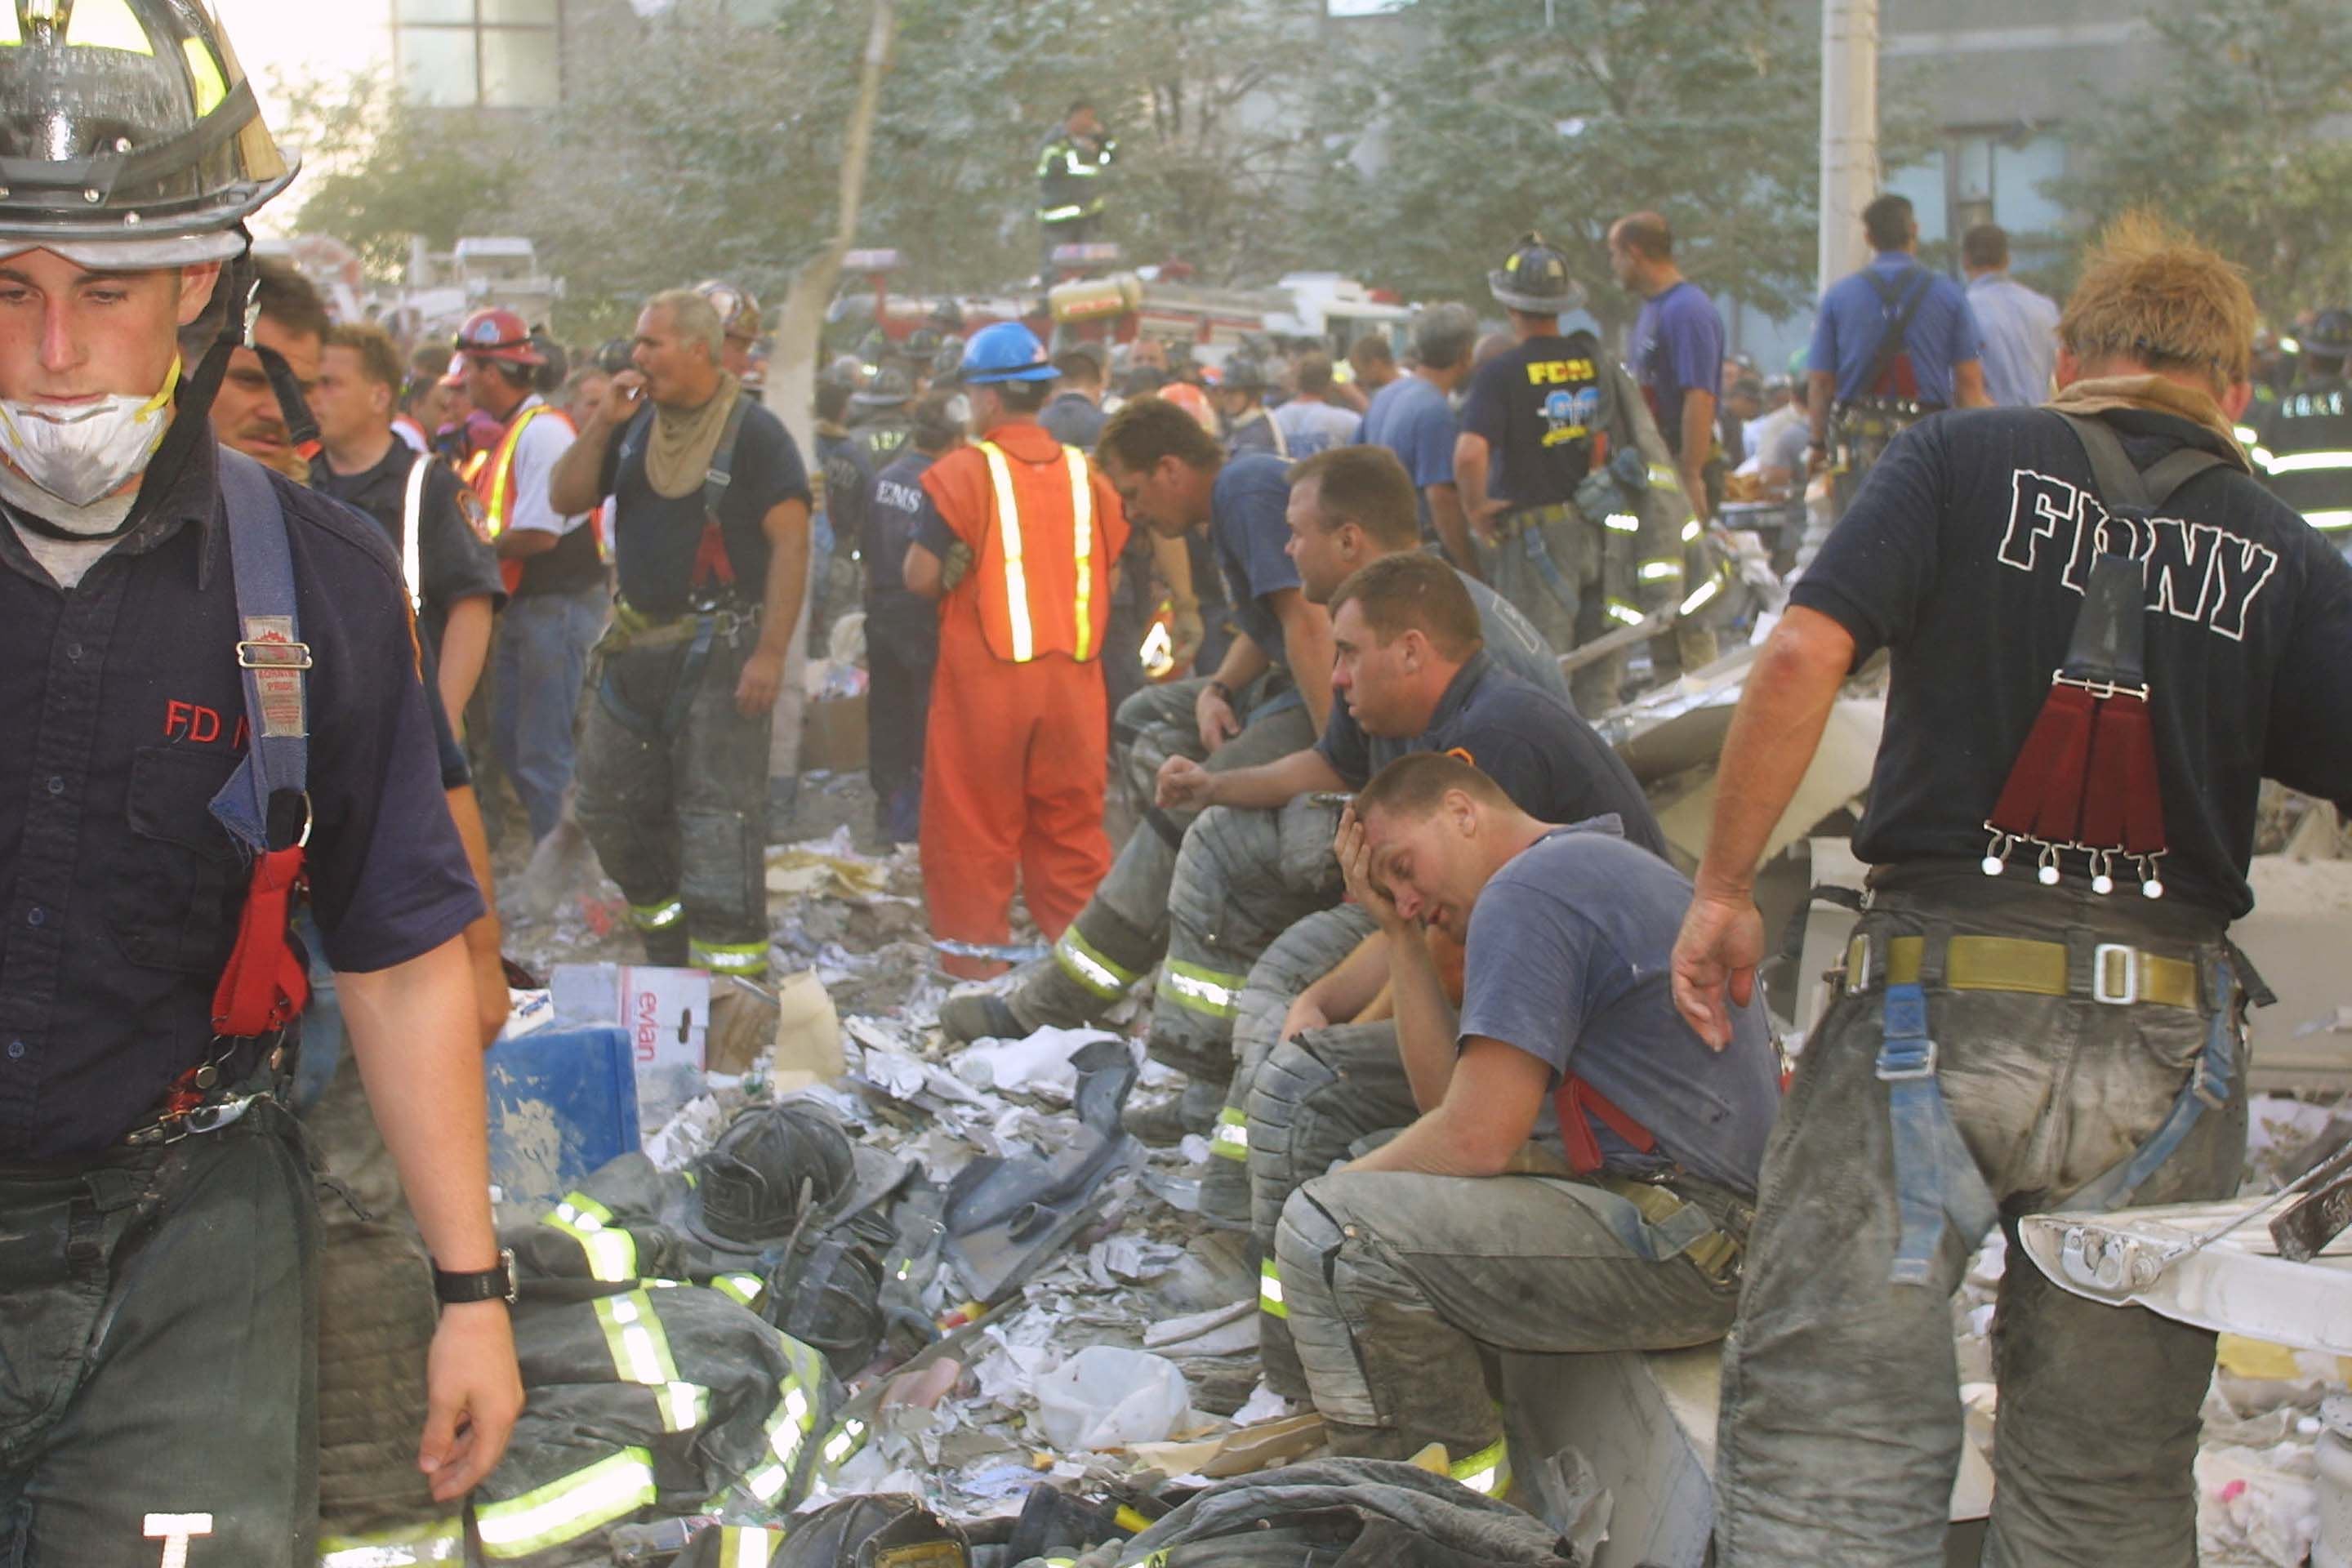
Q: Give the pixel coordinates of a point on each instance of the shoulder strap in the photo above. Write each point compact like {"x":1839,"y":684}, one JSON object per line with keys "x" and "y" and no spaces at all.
{"x":411,"y":513}
{"x":2121,"y":484}
{"x":1896,"y":327}
{"x":273,"y":655}
{"x":723,"y":460}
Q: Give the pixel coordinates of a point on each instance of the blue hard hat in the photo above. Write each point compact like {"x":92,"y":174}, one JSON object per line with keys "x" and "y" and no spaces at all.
{"x":1005,"y":352}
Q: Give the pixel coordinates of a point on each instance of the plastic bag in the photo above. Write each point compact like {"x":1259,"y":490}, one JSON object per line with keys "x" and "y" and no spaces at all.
{"x":1104,"y":1397}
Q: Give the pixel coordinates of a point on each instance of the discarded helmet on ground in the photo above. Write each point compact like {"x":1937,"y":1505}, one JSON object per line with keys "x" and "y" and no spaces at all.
{"x":131,"y":135}
{"x":1535,"y":277}
{"x":738,"y":310}
{"x":1005,"y":352}
{"x":773,"y":1166}
{"x":827,"y":1291}
{"x":879,"y":1530}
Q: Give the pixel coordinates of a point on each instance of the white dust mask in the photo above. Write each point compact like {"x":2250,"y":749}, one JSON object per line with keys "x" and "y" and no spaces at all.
{"x":80,"y":452}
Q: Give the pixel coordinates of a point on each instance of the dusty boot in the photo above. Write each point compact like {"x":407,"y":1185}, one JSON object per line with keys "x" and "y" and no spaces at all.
{"x":1166,"y":1124}
{"x":1226,"y":1193}
{"x":980,"y":1015}
{"x":666,"y":948}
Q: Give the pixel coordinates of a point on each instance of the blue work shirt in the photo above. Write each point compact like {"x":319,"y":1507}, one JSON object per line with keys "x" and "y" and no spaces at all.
{"x":121,"y":893}
{"x":1413,"y":419}
{"x":1677,"y":348}
{"x":1567,"y":960}
{"x":1943,"y":331}
{"x":1249,"y":529}
{"x":1548,"y":760}
{"x":1309,"y":425}
{"x":2020,"y":339}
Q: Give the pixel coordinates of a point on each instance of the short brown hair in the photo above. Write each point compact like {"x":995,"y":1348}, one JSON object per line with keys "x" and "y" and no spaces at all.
{"x":1985,"y":245}
{"x":1412,"y":787}
{"x":1314,"y":373}
{"x":1147,"y":429}
{"x":1367,"y":486}
{"x":1646,"y":234}
{"x":2149,"y":293}
{"x":1414,"y":591}
{"x":379,"y":361}
{"x":286,"y":297}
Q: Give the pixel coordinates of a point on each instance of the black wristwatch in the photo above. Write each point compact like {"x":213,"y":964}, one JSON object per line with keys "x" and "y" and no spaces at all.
{"x":1221,"y":691}
{"x":481,"y":1285}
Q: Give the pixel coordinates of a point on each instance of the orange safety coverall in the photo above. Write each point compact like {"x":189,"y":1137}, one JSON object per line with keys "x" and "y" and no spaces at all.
{"x":1014,"y":765}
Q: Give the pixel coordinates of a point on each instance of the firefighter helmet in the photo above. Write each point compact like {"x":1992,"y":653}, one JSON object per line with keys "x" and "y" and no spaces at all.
{"x":774,"y":1164}
{"x":128,"y":135}
{"x":876,"y":1529}
{"x":888,"y":389}
{"x":739,"y":309}
{"x":1244,"y":372}
{"x":496,"y":333}
{"x":2330,"y":336}
{"x":1534,"y":278}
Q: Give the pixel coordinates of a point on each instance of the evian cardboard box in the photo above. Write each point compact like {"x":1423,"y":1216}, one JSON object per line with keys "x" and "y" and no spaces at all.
{"x":667,"y":1014}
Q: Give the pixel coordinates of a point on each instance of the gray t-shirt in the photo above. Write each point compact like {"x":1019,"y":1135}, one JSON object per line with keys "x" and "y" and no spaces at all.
{"x":1567,"y":960}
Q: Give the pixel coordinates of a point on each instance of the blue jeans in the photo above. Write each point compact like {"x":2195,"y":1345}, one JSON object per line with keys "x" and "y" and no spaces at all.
{"x":536,"y":673}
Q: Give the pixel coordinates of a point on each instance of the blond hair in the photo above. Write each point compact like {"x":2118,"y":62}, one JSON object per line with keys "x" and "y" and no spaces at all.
{"x":2150,"y":292}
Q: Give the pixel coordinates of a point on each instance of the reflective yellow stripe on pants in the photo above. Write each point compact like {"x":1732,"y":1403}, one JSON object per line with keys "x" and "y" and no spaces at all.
{"x":612,"y":1253}
{"x":1231,"y":1139}
{"x":569,"y":1506}
{"x":1197,"y":988}
{"x":1084,"y":963}
{"x":444,"y":1541}
{"x":1486,"y":1472}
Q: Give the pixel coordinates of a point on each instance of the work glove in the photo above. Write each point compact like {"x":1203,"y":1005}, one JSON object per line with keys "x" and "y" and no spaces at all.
{"x":952,"y":569}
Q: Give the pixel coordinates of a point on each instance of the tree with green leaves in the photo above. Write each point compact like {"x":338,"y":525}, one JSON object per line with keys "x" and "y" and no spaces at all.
{"x":2242,"y":143}
{"x":1561,"y":116}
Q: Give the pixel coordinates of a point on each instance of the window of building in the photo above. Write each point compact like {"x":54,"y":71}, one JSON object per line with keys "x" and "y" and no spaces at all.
{"x":494,"y":53}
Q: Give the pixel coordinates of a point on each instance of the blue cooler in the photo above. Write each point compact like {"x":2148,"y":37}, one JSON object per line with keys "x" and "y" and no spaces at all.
{"x":563,"y":1103}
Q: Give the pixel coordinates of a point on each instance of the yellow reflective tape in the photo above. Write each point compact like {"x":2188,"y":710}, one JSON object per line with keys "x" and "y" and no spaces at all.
{"x":747,"y":1545}
{"x":8,"y":36}
{"x":1664,"y":474}
{"x":1231,"y":1137}
{"x":611,"y":1254}
{"x":2328,"y":518}
{"x":441,"y":1541}
{"x":108,"y":25}
{"x":1659,"y":570}
{"x":1623,"y":522}
{"x":1486,"y":1472}
{"x":1198,"y":989}
{"x":567,"y":1507}
{"x":845,"y":1440}
{"x":203,"y":75}
{"x":1269,"y":1291}
{"x":743,"y":1290}
{"x":1691,"y":530}
{"x":1008,"y":527}
{"x":729,"y":957}
{"x":1084,"y":963}
{"x":1705,"y":591}
{"x":1631,"y":615}
{"x":640,"y":1348}
{"x":1082,"y":509}
{"x":501,"y":495}
{"x":683,"y":1407}
{"x":2303,"y":462}
{"x":654,"y":917}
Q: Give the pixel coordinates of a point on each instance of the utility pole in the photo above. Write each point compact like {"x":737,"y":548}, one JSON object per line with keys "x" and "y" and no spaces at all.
{"x":1849,"y":131}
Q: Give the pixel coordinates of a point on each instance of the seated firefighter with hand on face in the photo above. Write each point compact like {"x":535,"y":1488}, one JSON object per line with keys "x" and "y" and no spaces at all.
{"x":1581,"y":1172}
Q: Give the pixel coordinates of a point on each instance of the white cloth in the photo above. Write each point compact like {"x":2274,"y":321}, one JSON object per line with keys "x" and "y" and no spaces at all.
{"x":65,"y":560}
{"x":543,"y":442}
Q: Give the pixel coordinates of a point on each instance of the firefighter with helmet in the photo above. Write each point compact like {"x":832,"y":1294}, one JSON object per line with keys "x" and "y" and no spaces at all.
{"x":2304,"y":442}
{"x":739,"y":324}
{"x":220,"y":705}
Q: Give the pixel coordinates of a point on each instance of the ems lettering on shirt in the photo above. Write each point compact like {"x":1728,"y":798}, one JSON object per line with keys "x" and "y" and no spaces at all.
{"x":2196,"y":570}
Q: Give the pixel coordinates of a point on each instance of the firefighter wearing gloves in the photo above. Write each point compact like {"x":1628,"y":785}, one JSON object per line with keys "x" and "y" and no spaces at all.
{"x":1580,"y":1175}
{"x":711,"y":543}
{"x":2104,"y":634}
{"x":1019,"y":545}
{"x":226,"y":702}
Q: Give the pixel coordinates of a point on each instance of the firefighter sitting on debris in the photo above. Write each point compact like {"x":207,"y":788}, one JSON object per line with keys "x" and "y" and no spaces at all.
{"x":711,"y":543}
{"x":1580,"y":1175}
{"x":2049,"y":1016}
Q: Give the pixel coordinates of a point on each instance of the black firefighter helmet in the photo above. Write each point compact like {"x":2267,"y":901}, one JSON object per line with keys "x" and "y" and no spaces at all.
{"x":1534,"y":278}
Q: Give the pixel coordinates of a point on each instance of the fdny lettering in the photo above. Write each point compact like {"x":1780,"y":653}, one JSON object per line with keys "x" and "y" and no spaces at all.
{"x":2195,"y":571}
{"x":1559,"y":372}
{"x":199,"y":725}
{"x":898,"y":497}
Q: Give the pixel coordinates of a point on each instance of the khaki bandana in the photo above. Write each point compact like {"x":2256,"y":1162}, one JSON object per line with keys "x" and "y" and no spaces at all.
{"x":684,"y":440}
{"x":2157,"y":395}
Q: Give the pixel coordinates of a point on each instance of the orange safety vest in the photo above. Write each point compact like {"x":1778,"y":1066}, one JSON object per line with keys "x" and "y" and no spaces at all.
{"x":491,"y":475}
{"x":1042,"y":568}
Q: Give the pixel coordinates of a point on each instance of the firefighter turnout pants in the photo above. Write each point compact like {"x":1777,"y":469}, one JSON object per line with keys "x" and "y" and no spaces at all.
{"x":1840,"y":1434}
{"x":1123,"y":929}
{"x":673,"y":796}
{"x":158,"y":1338}
{"x":1013,"y":778}
{"x":1392,"y":1283}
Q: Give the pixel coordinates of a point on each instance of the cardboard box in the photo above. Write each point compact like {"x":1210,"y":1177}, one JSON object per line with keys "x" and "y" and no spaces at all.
{"x":833,"y":740}
{"x":665,"y":1013}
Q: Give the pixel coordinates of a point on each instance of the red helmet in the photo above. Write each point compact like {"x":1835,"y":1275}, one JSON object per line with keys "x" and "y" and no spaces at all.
{"x":499,"y":334}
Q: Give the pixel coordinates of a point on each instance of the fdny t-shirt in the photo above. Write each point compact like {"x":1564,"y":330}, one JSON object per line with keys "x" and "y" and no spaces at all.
{"x":1537,"y":405}
{"x":1966,"y":552}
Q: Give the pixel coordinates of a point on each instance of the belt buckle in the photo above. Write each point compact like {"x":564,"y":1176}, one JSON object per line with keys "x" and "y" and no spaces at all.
{"x":1923,"y":1065}
{"x":1857,"y":965}
{"x":2125,"y":959}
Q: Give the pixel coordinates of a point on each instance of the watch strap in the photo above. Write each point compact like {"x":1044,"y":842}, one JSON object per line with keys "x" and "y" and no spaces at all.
{"x":460,"y":1289}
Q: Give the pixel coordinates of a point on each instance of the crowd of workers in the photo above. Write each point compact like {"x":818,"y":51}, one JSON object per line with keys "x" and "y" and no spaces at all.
{"x":1411,"y":915}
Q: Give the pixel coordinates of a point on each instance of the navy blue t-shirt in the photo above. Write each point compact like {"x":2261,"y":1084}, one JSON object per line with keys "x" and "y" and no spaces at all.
{"x":1567,"y":960}
{"x":1537,"y":406}
{"x":897,"y":509}
{"x":1676,"y":347}
{"x":1413,"y":419}
{"x":1548,"y":760}
{"x":1249,"y":527}
{"x":1965,"y":552}
{"x":655,"y":537}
